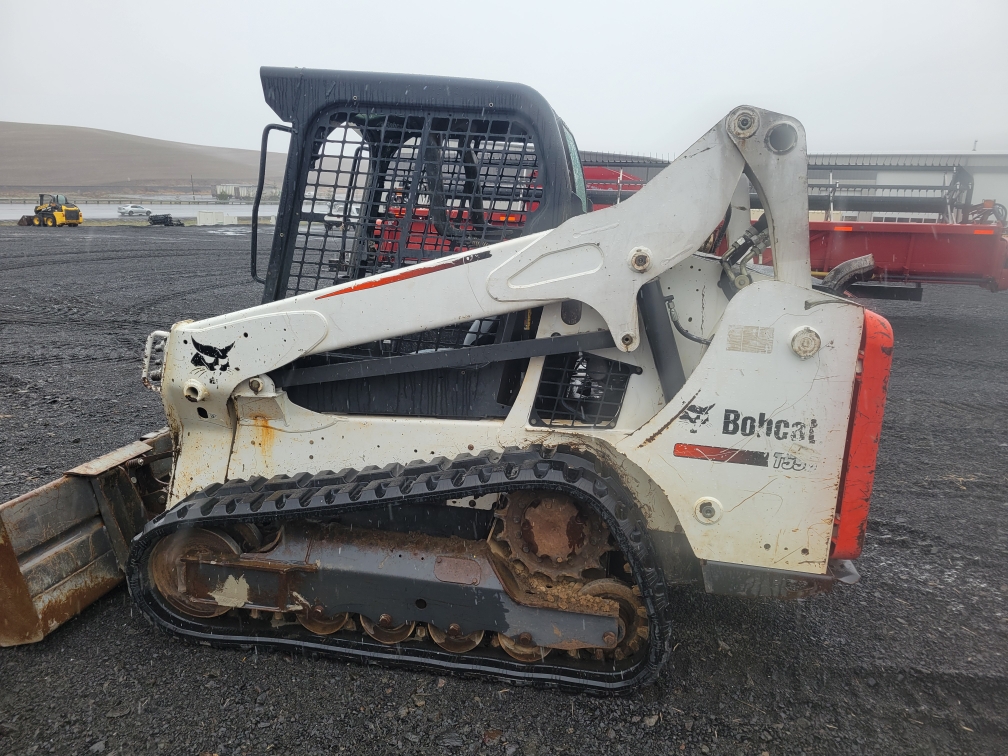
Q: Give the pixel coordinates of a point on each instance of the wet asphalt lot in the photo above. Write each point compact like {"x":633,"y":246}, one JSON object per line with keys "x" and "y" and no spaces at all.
{"x":912,"y":660}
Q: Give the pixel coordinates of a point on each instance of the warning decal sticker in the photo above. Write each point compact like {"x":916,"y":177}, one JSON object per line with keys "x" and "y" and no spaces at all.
{"x":722,"y":454}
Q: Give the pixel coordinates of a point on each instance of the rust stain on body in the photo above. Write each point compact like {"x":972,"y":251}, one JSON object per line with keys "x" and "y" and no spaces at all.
{"x":264,"y":435}
{"x":674,"y":417}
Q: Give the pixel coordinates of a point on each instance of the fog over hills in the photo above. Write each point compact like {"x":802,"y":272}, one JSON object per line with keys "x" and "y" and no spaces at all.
{"x":43,"y":157}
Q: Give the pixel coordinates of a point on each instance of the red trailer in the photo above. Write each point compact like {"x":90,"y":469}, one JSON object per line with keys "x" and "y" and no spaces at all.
{"x":906,"y":254}
{"x":909,"y":253}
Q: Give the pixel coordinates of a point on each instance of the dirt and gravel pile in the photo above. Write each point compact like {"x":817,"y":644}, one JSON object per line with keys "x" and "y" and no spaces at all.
{"x":913,"y":659}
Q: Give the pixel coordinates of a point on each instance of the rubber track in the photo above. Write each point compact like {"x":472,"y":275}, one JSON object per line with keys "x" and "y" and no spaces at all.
{"x":327,"y":494}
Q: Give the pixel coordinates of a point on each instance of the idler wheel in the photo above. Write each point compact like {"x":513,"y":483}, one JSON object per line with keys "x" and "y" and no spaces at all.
{"x":456,"y":643}
{"x":384,"y":632}
{"x":166,"y":566}
{"x":521,"y":650}
{"x":315,"y":620}
{"x":633,"y":623}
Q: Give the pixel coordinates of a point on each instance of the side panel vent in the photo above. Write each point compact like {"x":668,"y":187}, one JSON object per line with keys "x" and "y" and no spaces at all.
{"x":581,"y":390}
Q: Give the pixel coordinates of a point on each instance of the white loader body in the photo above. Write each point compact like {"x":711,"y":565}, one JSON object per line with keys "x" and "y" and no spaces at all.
{"x":745,"y":459}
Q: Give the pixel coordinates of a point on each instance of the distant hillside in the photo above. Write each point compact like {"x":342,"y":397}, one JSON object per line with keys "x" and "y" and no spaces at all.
{"x":38,"y":156}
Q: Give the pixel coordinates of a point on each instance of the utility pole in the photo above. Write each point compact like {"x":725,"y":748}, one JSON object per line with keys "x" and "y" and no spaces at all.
{"x":193,"y":186}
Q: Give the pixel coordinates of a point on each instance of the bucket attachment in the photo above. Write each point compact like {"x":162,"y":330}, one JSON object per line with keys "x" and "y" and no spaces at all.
{"x":64,"y":545}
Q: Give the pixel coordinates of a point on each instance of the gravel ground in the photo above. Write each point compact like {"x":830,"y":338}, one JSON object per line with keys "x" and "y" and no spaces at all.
{"x":910,"y":660}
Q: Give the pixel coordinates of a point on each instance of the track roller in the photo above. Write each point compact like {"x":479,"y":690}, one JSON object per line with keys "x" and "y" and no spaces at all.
{"x":385,"y":632}
{"x":452,"y":639}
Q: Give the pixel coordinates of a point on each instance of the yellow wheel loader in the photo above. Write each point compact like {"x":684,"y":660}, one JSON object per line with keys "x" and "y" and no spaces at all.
{"x":474,"y":426}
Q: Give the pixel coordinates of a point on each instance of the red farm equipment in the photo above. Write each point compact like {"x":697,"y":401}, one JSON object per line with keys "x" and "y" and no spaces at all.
{"x":973,"y":250}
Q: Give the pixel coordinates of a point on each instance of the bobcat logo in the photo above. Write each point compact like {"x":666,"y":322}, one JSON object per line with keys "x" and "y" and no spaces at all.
{"x":210,"y":357}
{"x":696,"y":416}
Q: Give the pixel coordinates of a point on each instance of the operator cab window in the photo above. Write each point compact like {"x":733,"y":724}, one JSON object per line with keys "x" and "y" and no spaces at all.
{"x":574,"y":165}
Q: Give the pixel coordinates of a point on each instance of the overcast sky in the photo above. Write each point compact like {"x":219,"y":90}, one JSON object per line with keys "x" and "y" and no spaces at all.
{"x":626,"y":76}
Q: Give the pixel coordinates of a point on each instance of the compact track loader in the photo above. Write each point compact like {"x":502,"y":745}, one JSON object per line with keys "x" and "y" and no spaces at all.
{"x":474,"y":427}
{"x":53,"y":210}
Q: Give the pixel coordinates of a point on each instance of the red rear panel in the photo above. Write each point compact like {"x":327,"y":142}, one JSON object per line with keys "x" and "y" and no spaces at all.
{"x":868,"y":405}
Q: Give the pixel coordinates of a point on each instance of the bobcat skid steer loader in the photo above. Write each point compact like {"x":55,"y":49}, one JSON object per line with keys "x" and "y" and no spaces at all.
{"x":473,"y":427}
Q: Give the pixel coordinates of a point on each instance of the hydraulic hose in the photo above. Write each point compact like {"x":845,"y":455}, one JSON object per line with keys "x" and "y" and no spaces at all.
{"x":678,"y":325}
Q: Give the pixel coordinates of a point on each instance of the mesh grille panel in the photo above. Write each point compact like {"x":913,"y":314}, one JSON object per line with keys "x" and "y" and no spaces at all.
{"x":581,"y":389}
{"x":386,"y":190}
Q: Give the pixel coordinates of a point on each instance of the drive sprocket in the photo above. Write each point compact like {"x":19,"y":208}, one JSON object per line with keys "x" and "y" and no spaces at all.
{"x":551,"y":535}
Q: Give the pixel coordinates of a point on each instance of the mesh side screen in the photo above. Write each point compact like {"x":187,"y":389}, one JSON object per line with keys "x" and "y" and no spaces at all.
{"x":384,"y":190}
{"x":581,"y":389}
